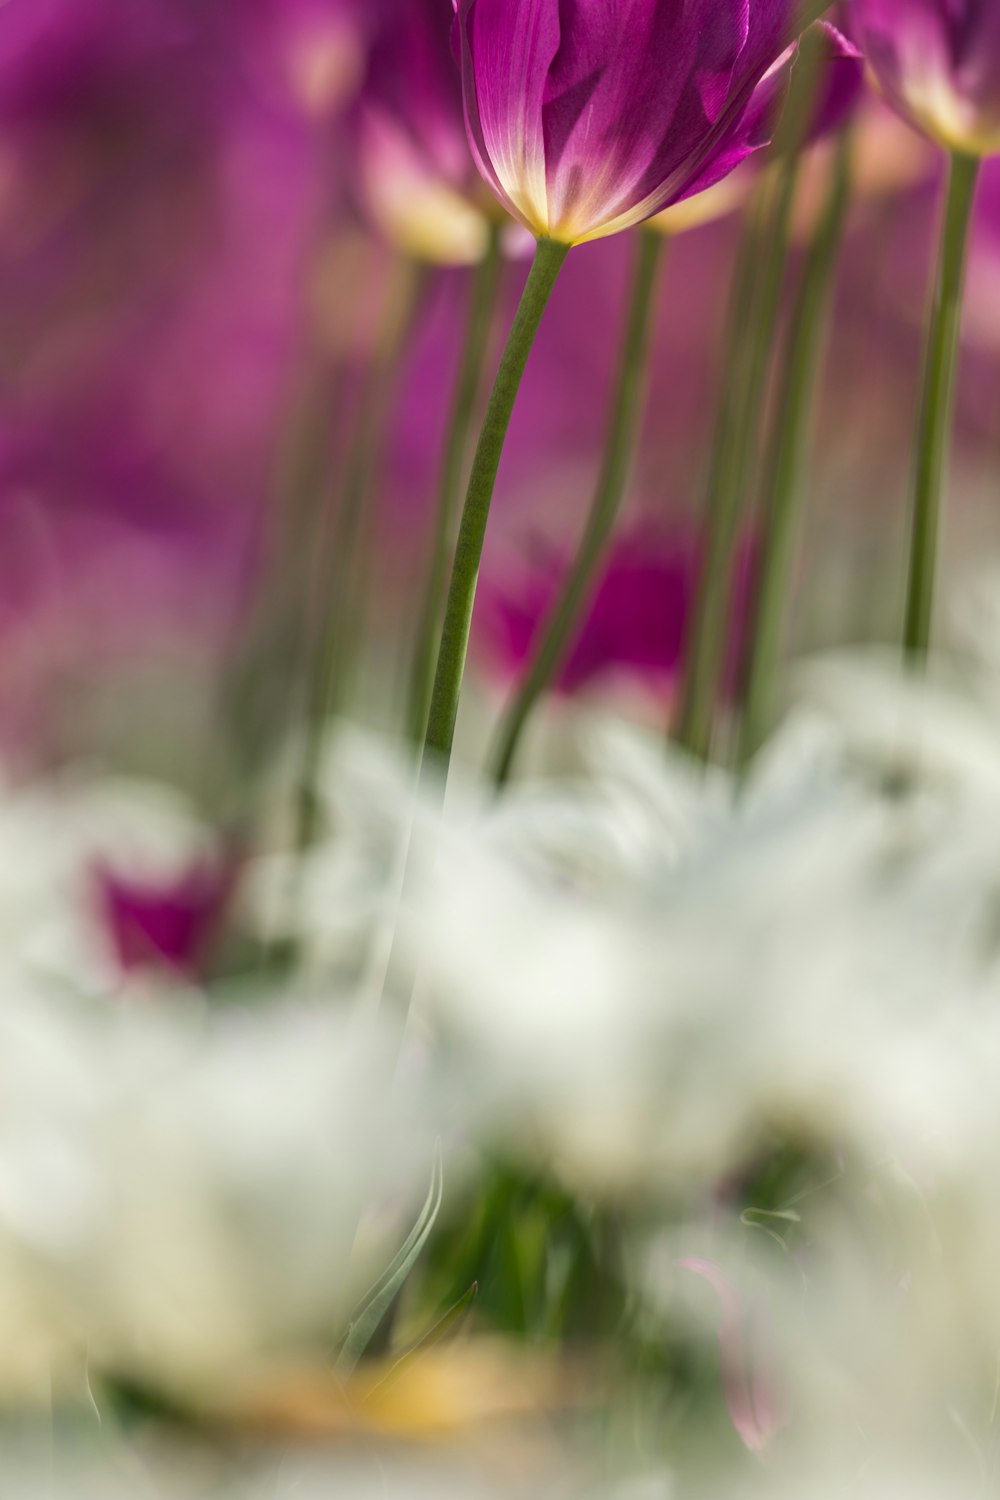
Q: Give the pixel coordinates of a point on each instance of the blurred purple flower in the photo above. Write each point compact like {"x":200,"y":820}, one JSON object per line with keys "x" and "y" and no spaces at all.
{"x":841,"y":85}
{"x":636,"y":625}
{"x":938,"y":64}
{"x":164,"y":202}
{"x":412,"y":162}
{"x":170,"y":926}
{"x":305,"y":56}
{"x":587,"y":118}
{"x":69,"y":57}
{"x":147,"y":200}
{"x":93,"y":606}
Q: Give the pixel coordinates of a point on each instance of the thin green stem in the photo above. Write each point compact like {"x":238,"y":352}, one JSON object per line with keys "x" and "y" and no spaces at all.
{"x":260,"y":695}
{"x":548,"y":262}
{"x":749,"y":344}
{"x":343,"y":565}
{"x":760,"y":272}
{"x":784,"y":492}
{"x":626,"y":413}
{"x":938,"y":405}
{"x":482,"y":304}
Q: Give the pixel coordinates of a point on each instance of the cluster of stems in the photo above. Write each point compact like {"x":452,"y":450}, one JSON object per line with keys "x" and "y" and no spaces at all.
{"x":442,"y":635}
{"x":779,"y":482}
{"x":557,"y":633}
{"x":785,"y":463}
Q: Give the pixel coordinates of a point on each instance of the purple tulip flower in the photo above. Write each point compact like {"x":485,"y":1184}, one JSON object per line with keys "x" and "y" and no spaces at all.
{"x":592,"y":116}
{"x":938,"y":64}
{"x":170,"y":927}
{"x":412,"y":160}
{"x":841,"y":83}
{"x":638,"y":620}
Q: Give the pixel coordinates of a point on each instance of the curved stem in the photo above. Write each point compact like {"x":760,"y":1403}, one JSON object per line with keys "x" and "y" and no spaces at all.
{"x":557,"y":635}
{"x":757,"y":290}
{"x":786,"y":459}
{"x":482,"y":303}
{"x":548,"y":262}
{"x":937,"y":405}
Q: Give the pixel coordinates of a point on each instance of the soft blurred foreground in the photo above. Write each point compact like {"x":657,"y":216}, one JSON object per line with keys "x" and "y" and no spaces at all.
{"x":633,"y":1132}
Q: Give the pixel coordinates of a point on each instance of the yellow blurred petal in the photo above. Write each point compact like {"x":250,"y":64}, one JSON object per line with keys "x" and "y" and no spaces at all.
{"x":448,"y":1393}
{"x":704,"y":208}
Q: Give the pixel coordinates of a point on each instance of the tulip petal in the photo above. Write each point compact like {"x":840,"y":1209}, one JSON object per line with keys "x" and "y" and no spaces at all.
{"x":841,"y":85}
{"x":588,"y":116}
{"x":753,"y":132}
{"x":507,"y":48}
{"x":938,"y":64}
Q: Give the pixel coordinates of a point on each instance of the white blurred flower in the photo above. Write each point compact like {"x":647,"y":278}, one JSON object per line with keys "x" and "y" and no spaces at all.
{"x":814,"y":954}
{"x":641,"y":974}
{"x":862,"y":1339}
{"x":335,"y":897}
{"x":926,"y":731}
{"x":180,"y":1188}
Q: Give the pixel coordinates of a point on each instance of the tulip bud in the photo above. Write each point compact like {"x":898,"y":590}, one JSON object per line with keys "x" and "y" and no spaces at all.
{"x":938,"y":64}
{"x":589,"y":118}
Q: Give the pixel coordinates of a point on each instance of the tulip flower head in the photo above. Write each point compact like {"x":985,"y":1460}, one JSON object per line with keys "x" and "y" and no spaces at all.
{"x":168,"y":926}
{"x":589,"y":117}
{"x":938,"y":64}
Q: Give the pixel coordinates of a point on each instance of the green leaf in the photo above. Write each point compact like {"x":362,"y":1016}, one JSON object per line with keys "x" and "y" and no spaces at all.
{"x":377,"y":1300}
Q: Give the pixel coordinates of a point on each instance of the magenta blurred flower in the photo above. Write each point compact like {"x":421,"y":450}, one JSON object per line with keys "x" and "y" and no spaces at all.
{"x":170,"y":926}
{"x":59,"y":58}
{"x":160,"y":218}
{"x":841,"y":84}
{"x":95,"y":606}
{"x":307,"y":56}
{"x":412,"y":160}
{"x":938,"y":64}
{"x":589,"y":117}
{"x":636,"y":625}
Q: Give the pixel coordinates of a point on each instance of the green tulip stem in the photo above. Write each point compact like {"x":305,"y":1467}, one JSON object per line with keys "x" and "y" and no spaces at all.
{"x":753,"y":316}
{"x":549,"y":259}
{"x":556,"y":637}
{"x":937,"y":405}
{"x":784,"y":490}
{"x":482,"y":305}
